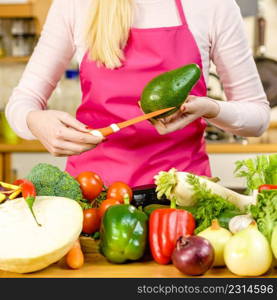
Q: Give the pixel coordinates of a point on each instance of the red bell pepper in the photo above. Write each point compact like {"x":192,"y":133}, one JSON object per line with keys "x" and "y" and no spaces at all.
{"x":28,"y":193}
{"x":267,"y":187}
{"x":166,"y":225}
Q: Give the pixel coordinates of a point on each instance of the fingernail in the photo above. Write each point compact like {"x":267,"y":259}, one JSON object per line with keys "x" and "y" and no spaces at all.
{"x":183,"y":108}
{"x":87,"y":128}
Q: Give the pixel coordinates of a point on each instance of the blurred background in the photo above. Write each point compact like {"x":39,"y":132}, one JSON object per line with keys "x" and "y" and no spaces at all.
{"x":21,"y":22}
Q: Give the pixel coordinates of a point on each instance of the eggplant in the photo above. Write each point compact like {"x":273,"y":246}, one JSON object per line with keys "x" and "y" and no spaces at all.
{"x":145,"y":195}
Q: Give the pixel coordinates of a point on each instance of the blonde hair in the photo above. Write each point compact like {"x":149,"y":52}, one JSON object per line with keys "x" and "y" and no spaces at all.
{"x":108,"y":31}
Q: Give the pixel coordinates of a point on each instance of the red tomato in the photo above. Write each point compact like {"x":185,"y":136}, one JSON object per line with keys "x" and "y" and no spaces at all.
{"x":106,"y":204}
{"x":91,"y":185}
{"x":118,"y":190}
{"x":92,"y":220}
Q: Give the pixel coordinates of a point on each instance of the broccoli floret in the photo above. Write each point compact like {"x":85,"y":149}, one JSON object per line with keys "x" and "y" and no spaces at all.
{"x":45,"y":175}
{"x":51,"y":181}
{"x":45,"y":191}
{"x":68,"y":187}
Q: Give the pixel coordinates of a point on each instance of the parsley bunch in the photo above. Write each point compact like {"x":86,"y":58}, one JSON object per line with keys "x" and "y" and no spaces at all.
{"x":209,"y":206}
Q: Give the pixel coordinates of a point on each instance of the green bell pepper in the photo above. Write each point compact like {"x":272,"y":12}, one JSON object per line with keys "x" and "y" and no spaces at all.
{"x":123,"y":234}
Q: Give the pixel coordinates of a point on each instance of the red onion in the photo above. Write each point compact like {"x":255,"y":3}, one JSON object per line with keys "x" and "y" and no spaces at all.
{"x":193,"y":255}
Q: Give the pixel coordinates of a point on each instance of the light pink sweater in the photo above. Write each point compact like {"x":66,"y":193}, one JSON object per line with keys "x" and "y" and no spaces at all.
{"x":219,"y":32}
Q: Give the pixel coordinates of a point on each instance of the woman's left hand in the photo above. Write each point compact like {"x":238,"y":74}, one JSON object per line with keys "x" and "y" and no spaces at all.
{"x":192,"y":109}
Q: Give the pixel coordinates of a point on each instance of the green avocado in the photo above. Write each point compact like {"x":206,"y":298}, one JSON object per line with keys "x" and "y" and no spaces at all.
{"x":169,"y":89}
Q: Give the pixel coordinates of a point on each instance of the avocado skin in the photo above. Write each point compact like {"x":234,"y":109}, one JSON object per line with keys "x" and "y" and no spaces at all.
{"x":169,"y":89}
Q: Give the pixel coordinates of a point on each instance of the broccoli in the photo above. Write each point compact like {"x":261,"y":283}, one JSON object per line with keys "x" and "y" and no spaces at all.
{"x":68,"y":187}
{"x":45,"y":191}
{"x":51,"y":181}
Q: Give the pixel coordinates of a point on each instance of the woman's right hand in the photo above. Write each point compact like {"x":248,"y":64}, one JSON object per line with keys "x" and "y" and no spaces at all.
{"x":60,"y":133}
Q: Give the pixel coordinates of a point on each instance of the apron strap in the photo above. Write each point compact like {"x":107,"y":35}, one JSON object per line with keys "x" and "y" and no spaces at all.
{"x":181,"y":11}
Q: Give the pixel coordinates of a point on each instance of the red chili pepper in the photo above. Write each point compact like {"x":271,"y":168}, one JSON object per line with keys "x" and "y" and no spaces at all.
{"x":165,"y":227}
{"x":267,"y":187}
{"x":28,"y":193}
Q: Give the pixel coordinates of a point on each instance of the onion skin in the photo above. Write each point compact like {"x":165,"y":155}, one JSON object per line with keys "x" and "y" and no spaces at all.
{"x":193,"y":255}
{"x":248,"y":253}
{"x":218,"y":237}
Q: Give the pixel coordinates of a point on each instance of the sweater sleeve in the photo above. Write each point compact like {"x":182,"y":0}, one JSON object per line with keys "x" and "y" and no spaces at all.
{"x":246,"y":111}
{"x":49,"y":60}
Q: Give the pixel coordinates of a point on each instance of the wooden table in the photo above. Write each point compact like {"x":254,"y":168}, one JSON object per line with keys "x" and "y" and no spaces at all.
{"x":96,"y":266}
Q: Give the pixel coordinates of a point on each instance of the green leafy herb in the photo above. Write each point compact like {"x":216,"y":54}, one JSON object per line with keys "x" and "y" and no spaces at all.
{"x":265,"y":212}
{"x":208,"y":205}
{"x":257,"y":171}
{"x":100,"y":198}
{"x":85,"y":204}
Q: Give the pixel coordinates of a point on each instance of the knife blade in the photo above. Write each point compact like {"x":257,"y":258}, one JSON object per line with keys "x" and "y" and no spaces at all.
{"x":103,"y":132}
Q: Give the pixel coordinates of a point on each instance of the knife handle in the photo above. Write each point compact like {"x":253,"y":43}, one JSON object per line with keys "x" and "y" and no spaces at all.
{"x":103,"y":132}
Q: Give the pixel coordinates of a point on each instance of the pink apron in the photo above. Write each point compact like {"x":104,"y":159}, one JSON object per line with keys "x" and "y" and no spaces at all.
{"x":137,"y":153}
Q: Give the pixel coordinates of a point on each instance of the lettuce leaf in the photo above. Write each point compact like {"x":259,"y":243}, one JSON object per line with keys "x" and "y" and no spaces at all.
{"x":257,"y":171}
{"x":265,"y":212}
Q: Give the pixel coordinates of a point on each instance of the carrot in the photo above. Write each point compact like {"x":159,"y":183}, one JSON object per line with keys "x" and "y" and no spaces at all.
{"x":75,"y":257}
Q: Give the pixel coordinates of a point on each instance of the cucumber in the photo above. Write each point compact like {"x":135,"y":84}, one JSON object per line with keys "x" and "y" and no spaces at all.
{"x":170,"y":89}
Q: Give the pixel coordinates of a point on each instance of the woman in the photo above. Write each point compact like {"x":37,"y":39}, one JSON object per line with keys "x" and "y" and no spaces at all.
{"x":127,"y":43}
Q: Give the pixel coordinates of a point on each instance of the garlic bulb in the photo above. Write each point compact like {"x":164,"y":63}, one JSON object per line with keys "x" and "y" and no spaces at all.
{"x":239,"y":223}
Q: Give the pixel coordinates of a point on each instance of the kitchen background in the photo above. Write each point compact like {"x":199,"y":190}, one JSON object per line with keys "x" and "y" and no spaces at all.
{"x":20,"y":24}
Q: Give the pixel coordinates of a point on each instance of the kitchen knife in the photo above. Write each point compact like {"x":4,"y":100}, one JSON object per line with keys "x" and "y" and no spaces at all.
{"x":102,"y":132}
